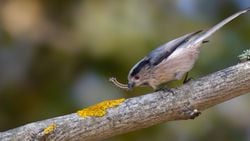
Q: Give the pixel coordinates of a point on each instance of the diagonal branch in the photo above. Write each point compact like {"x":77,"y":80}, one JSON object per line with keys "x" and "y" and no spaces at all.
{"x":143,"y":111}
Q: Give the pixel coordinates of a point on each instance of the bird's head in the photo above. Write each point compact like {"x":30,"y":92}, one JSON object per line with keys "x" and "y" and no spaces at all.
{"x":138,"y":77}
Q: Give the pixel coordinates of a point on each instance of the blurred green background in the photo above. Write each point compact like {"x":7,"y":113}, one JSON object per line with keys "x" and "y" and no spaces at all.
{"x":56,"y":57}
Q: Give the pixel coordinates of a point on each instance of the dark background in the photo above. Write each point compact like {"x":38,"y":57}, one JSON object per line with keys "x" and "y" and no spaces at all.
{"x":56,"y":57}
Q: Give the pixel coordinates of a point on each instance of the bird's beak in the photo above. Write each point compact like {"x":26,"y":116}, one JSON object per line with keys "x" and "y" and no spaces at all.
{"x":131,"y":85}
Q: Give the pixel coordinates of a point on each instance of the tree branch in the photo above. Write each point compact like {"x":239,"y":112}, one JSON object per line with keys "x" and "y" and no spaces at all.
{"x":143,"y":111}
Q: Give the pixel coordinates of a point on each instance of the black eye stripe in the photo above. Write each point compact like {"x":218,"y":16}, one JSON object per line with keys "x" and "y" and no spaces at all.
{"x":139,"y":67}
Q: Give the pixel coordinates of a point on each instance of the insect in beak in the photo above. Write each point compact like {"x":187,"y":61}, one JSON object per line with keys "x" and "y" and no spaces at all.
{"x":118,"y":84}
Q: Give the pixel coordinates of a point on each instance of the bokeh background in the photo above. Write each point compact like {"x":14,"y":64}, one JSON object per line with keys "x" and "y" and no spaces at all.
{"x":56,"y":57}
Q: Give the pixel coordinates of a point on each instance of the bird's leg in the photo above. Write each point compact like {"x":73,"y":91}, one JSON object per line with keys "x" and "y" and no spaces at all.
{"x":186,"y":79}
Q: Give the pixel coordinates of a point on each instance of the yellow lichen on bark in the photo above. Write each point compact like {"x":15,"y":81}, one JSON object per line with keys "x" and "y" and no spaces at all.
{"x":99,"y":109}
{"x":49,"y":129}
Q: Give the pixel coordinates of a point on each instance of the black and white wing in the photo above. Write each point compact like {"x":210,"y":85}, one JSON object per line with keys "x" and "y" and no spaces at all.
{"x":163,"y":52}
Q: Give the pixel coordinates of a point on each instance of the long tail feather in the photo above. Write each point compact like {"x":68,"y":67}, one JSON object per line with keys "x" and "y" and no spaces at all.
{"x":219,"y":25}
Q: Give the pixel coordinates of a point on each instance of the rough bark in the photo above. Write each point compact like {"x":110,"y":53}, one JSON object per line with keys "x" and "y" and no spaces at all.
{"x":143,"y":111}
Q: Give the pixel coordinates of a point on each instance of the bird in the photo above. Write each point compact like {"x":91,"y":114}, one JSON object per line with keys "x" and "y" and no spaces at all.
{"x":172,"y":60}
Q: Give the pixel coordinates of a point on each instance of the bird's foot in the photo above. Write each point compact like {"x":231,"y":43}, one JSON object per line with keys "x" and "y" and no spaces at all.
{"x":165,"y":89}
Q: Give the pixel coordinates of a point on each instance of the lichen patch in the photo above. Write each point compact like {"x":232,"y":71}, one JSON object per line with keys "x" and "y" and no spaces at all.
{"x":51,"y":128}
{"x":99,"y":109}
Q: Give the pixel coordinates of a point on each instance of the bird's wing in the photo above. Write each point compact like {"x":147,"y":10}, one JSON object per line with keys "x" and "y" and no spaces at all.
{"x":157,"y":55}
{"x":161,"y":53}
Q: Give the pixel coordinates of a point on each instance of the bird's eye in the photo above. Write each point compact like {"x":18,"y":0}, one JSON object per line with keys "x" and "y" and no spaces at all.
{"x":137,"y":77}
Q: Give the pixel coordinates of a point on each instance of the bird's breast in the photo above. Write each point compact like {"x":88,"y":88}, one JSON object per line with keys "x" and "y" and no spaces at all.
{"x":181,"y":61}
